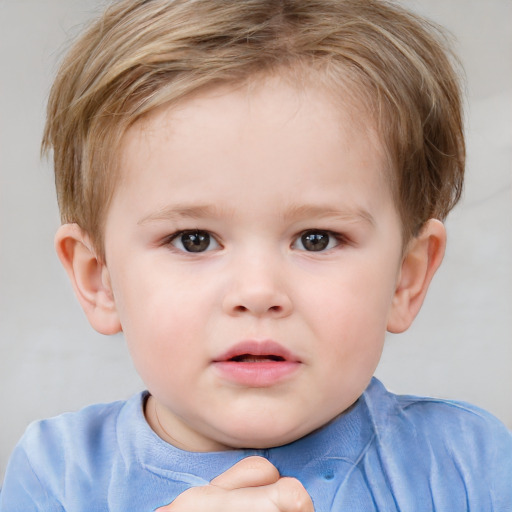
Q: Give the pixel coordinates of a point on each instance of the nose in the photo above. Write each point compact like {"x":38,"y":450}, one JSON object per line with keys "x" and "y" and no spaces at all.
{"x":257,"y":287}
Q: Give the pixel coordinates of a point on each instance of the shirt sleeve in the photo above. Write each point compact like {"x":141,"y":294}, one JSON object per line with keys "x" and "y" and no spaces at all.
{"x":501,"y":479}
{"x":22,"y":490}
{"x":477,"y":448}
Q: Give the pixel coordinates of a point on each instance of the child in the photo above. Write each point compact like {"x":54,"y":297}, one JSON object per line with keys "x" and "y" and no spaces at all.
{"x":252,"y":192}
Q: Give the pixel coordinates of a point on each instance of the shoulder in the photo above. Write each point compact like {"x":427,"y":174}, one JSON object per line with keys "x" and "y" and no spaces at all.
{"x":436,"y":416}
{"x":56,"y":453}
{"x":455,"y":444}
{"x":74,"y":431}
{"x":455,"y":420}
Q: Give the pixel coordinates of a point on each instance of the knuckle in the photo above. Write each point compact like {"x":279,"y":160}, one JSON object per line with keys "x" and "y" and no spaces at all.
{"x":261,"y":466}
{"x":257,"y":462}
{"x":295,"y":495}
{"x":191,"y":499}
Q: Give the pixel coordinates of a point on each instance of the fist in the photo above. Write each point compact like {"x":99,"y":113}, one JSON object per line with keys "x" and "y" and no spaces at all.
{"x":251,"y":485}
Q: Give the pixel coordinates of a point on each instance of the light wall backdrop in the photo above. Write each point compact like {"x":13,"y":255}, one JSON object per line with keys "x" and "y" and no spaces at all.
{"x":51,"y":360}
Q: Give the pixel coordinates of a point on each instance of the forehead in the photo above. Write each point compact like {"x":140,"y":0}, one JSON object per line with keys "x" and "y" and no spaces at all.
{"x":240,"y":130}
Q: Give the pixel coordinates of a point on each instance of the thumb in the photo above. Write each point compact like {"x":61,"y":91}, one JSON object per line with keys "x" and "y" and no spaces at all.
{"x":289,"y":495}
{"x":249,"y":472}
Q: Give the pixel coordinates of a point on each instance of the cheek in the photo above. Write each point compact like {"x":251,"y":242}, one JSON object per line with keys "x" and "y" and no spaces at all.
{"x":164,"y":348}
{"x":162,"y":322}
{"x":358,"y":293}
{"x":348,"y":312}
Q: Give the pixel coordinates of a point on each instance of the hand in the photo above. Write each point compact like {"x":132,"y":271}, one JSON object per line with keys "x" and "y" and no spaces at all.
{"x":251,"y":485}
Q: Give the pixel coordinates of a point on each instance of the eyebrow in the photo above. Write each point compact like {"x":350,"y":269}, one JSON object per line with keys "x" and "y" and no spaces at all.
{"x":327,"y":211}
{"x":183,"y":211}
{"x":293,"y":212}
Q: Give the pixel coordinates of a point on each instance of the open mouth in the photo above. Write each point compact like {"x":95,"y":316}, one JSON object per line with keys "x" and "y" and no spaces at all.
{"x":257,"y":352}
{"x":251,"y":358}
{"x":257,"y":364}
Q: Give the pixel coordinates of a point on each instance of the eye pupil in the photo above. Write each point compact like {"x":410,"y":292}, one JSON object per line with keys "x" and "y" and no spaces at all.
{"x":315,"y":240}
{"x":195,"y":241}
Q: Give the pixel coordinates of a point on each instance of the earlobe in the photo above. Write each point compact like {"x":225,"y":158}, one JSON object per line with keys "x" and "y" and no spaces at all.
{"x":89,"y":278}
{"x":422,"y":258}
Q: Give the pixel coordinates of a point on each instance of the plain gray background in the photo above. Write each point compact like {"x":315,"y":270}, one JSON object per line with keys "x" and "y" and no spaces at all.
{"x":51,"y":361}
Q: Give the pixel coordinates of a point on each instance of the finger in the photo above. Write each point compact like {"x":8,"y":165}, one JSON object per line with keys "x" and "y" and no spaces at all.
{"x":289,"y":495}
{"x":196,"y":499}
{"x":285,"y":495}
{"x":249,"y":472}
{"x":210,"y":498}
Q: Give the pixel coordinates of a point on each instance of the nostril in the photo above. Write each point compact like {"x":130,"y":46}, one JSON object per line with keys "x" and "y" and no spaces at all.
{"x":258,"y":305}
{"x":243,"y":309}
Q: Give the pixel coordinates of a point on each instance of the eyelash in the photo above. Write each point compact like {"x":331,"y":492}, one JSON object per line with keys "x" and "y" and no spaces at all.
{"x":337,"y":238}
{"x":311,"y":236}
{"x":199,"y":233}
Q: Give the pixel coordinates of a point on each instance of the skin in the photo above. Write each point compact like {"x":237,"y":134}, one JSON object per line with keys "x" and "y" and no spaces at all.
{"x":251,"y":485}
{"x":259,"y":171}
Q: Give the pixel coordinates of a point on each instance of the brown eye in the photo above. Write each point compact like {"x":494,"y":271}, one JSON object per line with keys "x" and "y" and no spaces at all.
{"x":194,"y":241}
{"x":316,"y":240}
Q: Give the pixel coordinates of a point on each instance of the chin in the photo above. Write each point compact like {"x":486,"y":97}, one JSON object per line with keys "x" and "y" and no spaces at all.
{"x":263,"y":438}
{"x":259,"y":444}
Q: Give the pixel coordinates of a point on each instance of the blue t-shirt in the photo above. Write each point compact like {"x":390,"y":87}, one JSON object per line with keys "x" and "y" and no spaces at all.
{"x":386,"y":453}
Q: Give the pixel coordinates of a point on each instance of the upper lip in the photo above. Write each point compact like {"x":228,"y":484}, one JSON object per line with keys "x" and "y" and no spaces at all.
{"x":257,"y":348}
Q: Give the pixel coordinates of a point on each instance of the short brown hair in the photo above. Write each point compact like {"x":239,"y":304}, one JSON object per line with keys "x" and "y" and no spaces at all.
{"x":142,"y":54}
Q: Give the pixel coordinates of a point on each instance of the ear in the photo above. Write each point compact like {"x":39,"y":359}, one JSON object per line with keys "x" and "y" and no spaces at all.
{"x":422,"y":258}
{"x":89,"y":277}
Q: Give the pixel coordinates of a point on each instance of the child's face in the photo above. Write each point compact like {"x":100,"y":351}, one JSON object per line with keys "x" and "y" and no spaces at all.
{"x":253,"y":249}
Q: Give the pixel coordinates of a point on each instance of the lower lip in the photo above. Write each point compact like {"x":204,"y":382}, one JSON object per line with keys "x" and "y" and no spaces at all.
{"x":257,"y":374}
